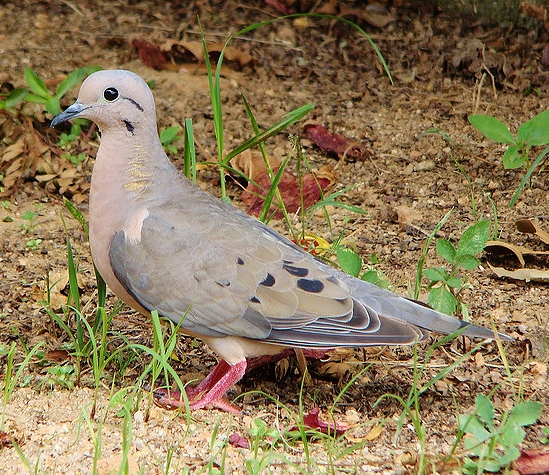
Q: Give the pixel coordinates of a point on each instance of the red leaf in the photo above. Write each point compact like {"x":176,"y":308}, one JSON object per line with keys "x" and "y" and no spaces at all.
{"x":149,"y":54}
{"x":236,"y":440}
{"x":335,"y":143}
{"x":314,"y":422}
{"x":289,"y":190}
{"x":532,"y":462}
{"x":279,"y":6}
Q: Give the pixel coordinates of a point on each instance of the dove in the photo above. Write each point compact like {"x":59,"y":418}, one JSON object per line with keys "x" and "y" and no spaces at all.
{"x":161,"y":243}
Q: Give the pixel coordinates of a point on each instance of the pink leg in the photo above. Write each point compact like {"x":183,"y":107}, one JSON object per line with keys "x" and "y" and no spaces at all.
{"x":209,"y":392}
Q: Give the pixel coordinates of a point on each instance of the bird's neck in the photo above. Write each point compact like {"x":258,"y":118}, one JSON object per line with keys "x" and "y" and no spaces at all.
{"x":128,"y":169}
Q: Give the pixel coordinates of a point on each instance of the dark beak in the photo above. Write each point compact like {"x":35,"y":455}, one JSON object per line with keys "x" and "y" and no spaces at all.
{"x":71,"y":112}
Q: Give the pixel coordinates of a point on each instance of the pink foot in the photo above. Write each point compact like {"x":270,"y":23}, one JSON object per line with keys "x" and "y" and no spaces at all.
{"x":208,"y":393}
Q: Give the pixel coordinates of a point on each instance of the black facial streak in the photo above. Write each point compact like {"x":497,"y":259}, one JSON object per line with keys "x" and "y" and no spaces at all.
{"x":254,"y":299}
{"x":239,"y":261}
{"x":310,"y":285}
{"x":129,"y":126}
{"x":225,"y":283}
{"x":297,"y":271}
{"x":136,"y":104}
{"x":269,"y":281}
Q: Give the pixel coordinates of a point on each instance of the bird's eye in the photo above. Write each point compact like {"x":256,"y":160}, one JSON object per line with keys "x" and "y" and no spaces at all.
{"x":110,"y":94}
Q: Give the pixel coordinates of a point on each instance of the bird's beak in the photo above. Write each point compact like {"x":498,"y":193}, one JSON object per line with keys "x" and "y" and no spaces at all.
{"x":71,"y":112}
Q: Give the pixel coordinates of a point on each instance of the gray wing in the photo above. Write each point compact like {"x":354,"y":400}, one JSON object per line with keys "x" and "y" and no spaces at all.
{"x":236,"y":276}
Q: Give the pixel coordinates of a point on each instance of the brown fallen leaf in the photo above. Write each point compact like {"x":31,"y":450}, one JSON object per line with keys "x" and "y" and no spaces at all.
{"x":374,"y":14}
{"x":500,"y":251}
{"x":532,"y":462}
{"x":252,"y":165}
{"x":528,"y":227}
{"x":526,"y":274}
{"x":149,"y":54}
{"x":335,"y":143}
{"x":184,"y":51}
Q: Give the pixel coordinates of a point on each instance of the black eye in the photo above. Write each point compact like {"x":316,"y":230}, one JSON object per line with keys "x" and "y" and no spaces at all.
{"x":110,"y":94}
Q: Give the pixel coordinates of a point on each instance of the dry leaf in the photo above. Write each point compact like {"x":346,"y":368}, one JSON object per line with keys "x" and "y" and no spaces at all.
{"x":528,"y":227}
{"x":335,"y":143}
{"x":313,"y":420}
{"x":336,"y":370}
{"x":374,"y":14}
{"x":498,"y":251}
{"x":532,"y":462}
{"x":149,"y":54}
{"x":312,"y":185}
{"x":251,"y":163}
{"x":237,"y":440}
{"x":528,"y":275}
{"x":375,"y":432}
{"x":57,"y":282}
{"x":183,"y":51}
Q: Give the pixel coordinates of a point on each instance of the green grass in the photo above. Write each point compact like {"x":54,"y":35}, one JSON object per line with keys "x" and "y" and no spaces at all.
{"x":101,"y":358}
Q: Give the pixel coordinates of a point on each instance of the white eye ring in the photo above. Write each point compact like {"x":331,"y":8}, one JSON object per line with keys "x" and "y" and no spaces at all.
{"x":111,"y":94}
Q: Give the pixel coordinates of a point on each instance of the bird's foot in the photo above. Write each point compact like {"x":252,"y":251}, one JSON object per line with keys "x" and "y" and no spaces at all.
{"x":208,"y":393}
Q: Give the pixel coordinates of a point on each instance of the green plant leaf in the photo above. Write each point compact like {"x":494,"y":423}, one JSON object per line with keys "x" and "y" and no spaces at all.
{"x":492,"y":128}
{"x":484,"y":409}
{"x":436,"y":274}
{"x":512,"y":436}
{"x":454,"y":282}
{"x":441,"y":299}
{"x":445,"y":249}
{"x":471,"y":424}
{"x":510,"y":455}
{"x":72,"y":80}
{"x":526,"y":178}
{"x":36,"y":99}
{"x":535,"y":132}
{"x":36,"y":84}
{"x":289,"y":119}
{"x":15,"y":97}
{"x":473,"y":240}
{"x":525,"y":413}
{"x":467,"y":262}
{"x":169,"y":134}
{"x":514,"y":158}
{"x":53,"y":106}
{"x":349,"y":261}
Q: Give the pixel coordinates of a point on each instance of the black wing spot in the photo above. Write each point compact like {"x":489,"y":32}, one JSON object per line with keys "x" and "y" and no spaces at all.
{"x":269,"y":281}
{"x":240,"y":261}
{"x":310,"y":285}
{"x":297,"y":271}
{"x":254,"y":299}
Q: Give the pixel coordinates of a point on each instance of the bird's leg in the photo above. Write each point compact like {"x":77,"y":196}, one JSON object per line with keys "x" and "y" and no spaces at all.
{"x":209,"y":392}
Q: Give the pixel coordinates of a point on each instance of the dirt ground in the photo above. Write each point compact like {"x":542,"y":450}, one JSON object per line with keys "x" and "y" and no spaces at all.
{"x":444,"y":69}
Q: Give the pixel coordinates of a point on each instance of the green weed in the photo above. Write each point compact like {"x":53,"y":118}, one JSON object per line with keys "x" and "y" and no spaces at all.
{"x":494,"y":443}
{"x":351,"y":263}
{"x":445,"y":285}
{"x":168,"y":137}
{"x":532,"y":133}
{"x":40,"y":94}
{"x":13,"y":98}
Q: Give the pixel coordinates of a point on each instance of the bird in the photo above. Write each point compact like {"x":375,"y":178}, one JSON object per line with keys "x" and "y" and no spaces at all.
{"x":162,"y":243}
